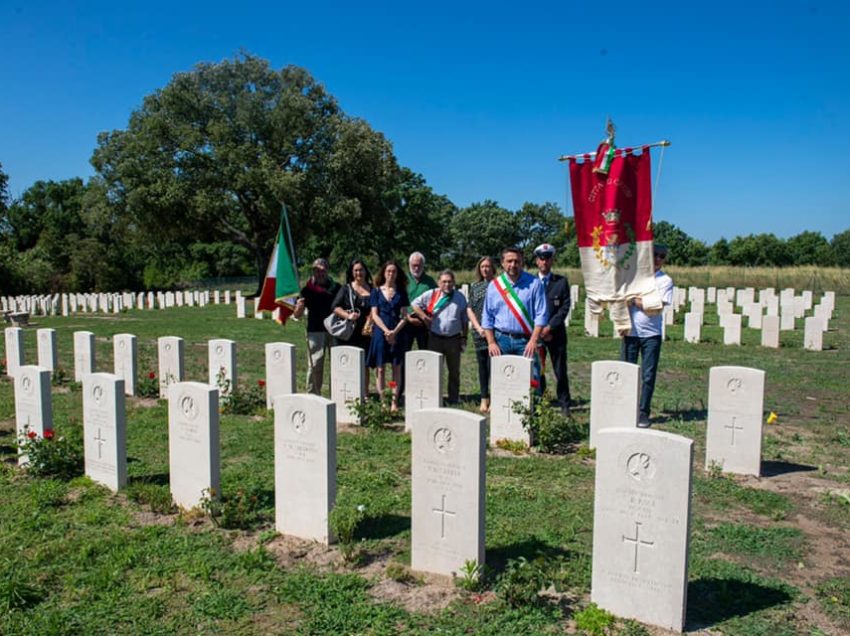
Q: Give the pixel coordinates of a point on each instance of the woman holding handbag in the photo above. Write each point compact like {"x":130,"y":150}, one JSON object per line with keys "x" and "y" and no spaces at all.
{"x":352,"y":303}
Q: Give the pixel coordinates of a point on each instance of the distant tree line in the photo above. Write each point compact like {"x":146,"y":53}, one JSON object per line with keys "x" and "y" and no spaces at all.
{"x":193,"y":188}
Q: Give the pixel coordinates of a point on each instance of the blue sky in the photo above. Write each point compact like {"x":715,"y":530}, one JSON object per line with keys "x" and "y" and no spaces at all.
{"x":482,"y":97}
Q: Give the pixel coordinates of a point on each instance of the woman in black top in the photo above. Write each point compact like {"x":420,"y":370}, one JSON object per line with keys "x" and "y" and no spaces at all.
{"x":358,"y":288}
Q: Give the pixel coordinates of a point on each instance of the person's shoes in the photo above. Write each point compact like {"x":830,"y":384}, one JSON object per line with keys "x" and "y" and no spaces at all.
{"x":565,"y":411}
{"x":485,"y":405}
{"x":643,"y":421}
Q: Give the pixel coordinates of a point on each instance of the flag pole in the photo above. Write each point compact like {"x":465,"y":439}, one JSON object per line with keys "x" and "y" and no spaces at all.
{"x":618,"y":152}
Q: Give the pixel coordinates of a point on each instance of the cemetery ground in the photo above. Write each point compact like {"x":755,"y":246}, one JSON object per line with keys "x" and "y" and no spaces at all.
{"x":768,"y":555}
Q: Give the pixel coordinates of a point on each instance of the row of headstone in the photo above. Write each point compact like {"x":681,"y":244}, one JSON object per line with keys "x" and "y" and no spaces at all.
{"x":735,"y":405}
{"x":113,"y":302}
{"x":448,"y":467}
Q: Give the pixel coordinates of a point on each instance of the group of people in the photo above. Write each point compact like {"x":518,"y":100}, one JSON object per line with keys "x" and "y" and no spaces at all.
{"x":514,"y":312}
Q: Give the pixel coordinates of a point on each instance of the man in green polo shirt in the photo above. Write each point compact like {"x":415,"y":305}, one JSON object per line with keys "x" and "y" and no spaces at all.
{"x":418,"y":282}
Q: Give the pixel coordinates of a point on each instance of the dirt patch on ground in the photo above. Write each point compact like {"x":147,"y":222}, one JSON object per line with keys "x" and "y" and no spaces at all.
{"x":143,"y":403}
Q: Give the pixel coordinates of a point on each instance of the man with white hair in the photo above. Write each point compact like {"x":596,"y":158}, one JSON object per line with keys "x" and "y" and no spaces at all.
{"x":418,"y":282}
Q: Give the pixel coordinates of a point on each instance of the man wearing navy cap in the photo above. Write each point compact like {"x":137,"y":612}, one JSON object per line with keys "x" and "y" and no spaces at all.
{"x":554,"y":335}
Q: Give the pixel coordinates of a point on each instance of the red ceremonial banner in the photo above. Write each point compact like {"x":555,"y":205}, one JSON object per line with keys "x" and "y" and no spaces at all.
{"x":613,"y":217}
{"x":613,"y":209}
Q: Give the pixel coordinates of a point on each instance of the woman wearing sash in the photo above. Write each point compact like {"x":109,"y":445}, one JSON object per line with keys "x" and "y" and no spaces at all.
{"x":388,"y":300}
{"x":485,"y":270}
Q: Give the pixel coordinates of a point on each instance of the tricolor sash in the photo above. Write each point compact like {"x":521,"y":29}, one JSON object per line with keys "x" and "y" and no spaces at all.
{"x":437,"y":302}
{"x":512,"y":300}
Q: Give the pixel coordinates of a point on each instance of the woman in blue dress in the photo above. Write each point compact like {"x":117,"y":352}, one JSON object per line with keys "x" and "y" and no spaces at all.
{"x":388,"y":301}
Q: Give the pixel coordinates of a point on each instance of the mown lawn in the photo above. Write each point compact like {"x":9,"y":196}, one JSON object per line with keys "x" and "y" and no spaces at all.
{"x":75,"y":558}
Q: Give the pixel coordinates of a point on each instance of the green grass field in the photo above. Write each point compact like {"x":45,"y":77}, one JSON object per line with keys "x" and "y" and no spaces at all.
{"x":768,"y":556}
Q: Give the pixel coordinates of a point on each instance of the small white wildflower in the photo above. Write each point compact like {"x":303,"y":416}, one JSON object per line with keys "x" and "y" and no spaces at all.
{"x":361,"y":507}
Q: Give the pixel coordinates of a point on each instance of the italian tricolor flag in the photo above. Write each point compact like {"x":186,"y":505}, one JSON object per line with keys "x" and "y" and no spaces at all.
{"x":613,"y":218}
{"x":280,"y":287}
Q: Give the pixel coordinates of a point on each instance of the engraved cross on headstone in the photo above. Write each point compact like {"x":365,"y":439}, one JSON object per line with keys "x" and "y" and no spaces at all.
{"x":100,"y":441}
{"x":733,"y":428}
{"x":346,"y":392}
{"x":421,"y":397}
{"x":637,"y":541}
{"x":509,"y":407}
{"x":443,"y":512}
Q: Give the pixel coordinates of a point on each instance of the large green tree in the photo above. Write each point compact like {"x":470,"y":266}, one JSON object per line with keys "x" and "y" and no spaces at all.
{"x":481,"y":229}
{"x":841,"y":248}
{"x":215,"y":154}
{"x":540,"y":223}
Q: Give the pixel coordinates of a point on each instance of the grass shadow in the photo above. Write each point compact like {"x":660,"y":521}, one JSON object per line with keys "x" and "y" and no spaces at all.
{"x":383,"y":526}
{"x":497,"y":558}
{"x":158,"y":479}
{"x":690,"y":415}
{"x":714,"y":600}
{"x":776,"y":468}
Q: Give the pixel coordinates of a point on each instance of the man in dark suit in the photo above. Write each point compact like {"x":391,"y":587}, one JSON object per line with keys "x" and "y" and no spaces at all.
{"x":554,"y":334}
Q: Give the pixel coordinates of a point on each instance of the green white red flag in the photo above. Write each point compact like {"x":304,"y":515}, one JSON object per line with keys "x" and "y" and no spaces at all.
{"x":280,"y":287}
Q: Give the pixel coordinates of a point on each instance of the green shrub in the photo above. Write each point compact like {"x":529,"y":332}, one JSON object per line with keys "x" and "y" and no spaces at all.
{"x":156,"y":497}
{"x":53,"y":455}
{"x":239,"y":401}
{"x":520,"y":584}
{"x":551,"y":431}
{"x":239,"y":510}
{"x":594,"y":621}
{"x":375,"y":412}
{"x":148,"y":387}
{"x":344,"y":521}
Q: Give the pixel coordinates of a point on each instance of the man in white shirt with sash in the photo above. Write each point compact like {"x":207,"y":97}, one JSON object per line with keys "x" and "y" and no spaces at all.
{"x":515,"y":312}
{"x":443,"y":310}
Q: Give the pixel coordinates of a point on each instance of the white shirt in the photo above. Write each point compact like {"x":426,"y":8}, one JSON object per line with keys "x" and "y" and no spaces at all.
{"x":644,"y":325}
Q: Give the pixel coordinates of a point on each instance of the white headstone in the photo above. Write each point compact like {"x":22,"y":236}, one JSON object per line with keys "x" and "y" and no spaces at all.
{"x":14,"y":350}
{"x":48,"y":356}
{"x":732,"y":329}
{"x":304,"y":465}
{"x":423,"y":383}
{"x":711,"y":295}
{"x":692,"y":327}
{"x":813,"y":335}
{"x":193,"y":443}
{"x":240,"y":307}
{"x":33,"y":406}
{"x":591,"y":322}
{"x":770,"y":331}
{"x":733,"y":434}
{"x":510,"y":384}
{"x":125,"y":360}
{"x":84,"y":354}
{"x":786,"y":322}
{"x":280,"y":370}
{"x":449,"y":451}
{"x":347,"y":381}
{"x":614,"y":396}
{"x":226,"y":296}
{"x":641,"y":525}
{"x":222,"y":365}
{"x":105,"y":429}
{"x":170,"y":351}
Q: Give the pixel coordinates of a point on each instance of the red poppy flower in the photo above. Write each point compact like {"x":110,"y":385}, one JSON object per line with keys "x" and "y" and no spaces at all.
{"x":261,"y":383}
{"x":32,"y":434}
{"x":392,"y":384}
{"x":48,"y":434}
{"x":151,"y":375}
{"x":535,"y":384}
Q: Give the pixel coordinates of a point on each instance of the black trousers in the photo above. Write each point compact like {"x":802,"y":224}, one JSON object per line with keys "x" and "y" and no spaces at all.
{"x":557,"y":350}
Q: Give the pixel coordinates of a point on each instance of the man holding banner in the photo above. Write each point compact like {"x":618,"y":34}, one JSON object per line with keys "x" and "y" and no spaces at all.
{"x":515,"y":312}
